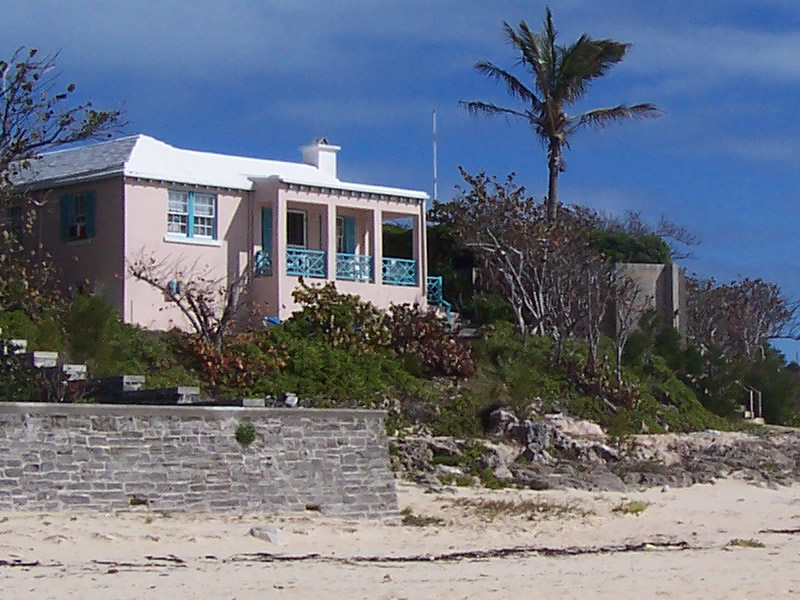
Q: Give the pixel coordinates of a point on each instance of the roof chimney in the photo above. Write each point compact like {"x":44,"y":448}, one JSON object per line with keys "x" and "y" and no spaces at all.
{"x":322,"y":155}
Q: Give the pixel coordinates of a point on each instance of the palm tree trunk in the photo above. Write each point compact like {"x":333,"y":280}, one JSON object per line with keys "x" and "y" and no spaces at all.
{"x":554,"y":166}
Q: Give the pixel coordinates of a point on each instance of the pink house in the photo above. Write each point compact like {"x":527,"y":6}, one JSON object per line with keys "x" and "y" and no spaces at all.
{"x":106,"y":204}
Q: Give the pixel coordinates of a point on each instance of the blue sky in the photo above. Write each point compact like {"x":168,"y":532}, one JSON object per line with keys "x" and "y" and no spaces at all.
{"x":261,"y":78}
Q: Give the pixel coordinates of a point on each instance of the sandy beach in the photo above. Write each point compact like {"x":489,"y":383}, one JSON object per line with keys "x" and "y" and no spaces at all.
{"x":706,"y":541}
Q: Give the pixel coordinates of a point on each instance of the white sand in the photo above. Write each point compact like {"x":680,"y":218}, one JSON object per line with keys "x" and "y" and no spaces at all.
{"x":71,"y":548}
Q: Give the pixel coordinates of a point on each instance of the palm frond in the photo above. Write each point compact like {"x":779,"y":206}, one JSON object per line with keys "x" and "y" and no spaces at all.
{"x":583,"y":61}
{"x":601,"y":117}
{"x":516,"y":88}
{"x":549,"y":34}
{"x":488,"y":109}
{"x":534,"y":54}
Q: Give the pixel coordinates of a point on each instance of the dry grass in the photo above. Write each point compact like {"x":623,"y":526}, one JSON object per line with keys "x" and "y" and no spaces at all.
{"x":410,"y":519}
{"x":533,"y":510}
{"x":742,"y":543}
{"x":633,"y":507}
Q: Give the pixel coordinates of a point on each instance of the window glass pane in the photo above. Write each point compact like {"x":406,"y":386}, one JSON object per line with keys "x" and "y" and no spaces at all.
{"x":340,"y":234}
{"x":79,"y":208}
{"x":204,"y":205}
{"x":204,"y":227}
{"x":295,"y":229}
{"x":177,"y":224}
{"x":204,"y":209}
{"x":179,"y":202}
{"x":178,"y":212}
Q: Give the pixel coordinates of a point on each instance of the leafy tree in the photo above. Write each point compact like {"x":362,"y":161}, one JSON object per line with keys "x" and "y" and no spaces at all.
{"x":740,"y":317}
{"x":555,"y":283}
{"x":634,"y":240}
{"x":561,"y":77}
{"x":34,"y":118}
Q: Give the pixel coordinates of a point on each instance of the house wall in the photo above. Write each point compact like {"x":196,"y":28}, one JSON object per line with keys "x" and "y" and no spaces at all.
{"x":98,"y":260}
{"x":95,"y":457}
{"x":145,"y":218}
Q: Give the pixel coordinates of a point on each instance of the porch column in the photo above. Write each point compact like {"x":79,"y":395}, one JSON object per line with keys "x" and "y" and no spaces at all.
{"x":330,"y":241}
{"x":423,"y":249}
{"x":278,"y":249}
{"x":416,"y":248}
{"x":377,"y":244}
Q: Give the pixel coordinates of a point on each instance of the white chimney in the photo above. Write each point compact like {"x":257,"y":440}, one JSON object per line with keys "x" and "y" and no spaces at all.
{"x":322,"y":155}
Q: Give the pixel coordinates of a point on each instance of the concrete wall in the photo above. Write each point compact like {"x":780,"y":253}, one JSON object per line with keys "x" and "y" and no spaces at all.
{"x":98,"y":457}
{"x":663,"y":288}
{"x":98,"y":260}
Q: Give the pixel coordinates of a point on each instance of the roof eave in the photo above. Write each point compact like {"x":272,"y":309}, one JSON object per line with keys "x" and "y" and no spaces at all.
{"x":53,"y":182}
{"x":342,"y":186}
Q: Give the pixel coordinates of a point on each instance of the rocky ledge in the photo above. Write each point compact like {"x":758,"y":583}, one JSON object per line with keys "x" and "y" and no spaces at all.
{"x":561,"y":452}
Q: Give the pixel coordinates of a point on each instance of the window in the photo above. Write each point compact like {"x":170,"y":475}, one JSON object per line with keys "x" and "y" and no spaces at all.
{"x":77,"y":216}
{"x":192,"y":214}
{"x":296,"y":228}
{"x":14,"y":221}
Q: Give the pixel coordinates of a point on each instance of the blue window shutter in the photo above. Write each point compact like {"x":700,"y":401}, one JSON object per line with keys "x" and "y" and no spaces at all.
{"x":65,"y":206}
{"x":90,"y":220}
{"x":349,"y":224}
{"x":266,"y":229}
{"x":190,"y":217}
{"x":216,"y":218}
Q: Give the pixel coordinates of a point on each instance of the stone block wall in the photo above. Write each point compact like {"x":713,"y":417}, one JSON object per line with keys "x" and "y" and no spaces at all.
{"x":103,"y":457}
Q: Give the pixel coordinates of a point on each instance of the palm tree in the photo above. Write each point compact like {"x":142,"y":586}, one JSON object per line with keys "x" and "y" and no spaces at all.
{"x":561,"y":77}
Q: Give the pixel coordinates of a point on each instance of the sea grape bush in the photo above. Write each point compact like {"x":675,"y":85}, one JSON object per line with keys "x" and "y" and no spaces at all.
{"x":346,"y":321}
{"x":343,"y":320}
{"x":427,"y":337}
{"x":246,"y":358}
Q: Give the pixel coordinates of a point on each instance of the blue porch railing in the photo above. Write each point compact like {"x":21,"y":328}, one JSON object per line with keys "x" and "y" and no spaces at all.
{"x":399,"y":271}
{"x":306,"y":263}
{"x":353,"y":267}
{"x":263,"y":263}
{"x":436,"y":297}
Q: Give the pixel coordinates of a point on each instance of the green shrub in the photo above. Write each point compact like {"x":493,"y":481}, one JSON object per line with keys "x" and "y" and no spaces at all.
{"x":17,"y":325}
{"x":342,"y":320}
{"x":458,"y":416}
{"x":245,"y":433}
{"x":18,"y":381}
{"x":619,"y":246}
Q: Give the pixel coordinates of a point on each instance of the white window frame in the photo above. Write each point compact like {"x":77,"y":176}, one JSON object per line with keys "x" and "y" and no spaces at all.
{"x":191,"y":218}
{"x":77,"y":228}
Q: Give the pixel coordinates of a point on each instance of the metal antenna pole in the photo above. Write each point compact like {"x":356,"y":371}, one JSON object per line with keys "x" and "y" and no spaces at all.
{"x":435,"y":162}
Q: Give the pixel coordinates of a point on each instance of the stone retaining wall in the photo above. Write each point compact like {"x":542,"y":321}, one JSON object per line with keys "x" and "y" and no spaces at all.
{"x":103,"y":457}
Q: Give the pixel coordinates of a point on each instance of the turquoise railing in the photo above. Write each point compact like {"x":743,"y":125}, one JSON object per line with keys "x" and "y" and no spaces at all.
{"x":436,"y":297}
{"x":306,"y":263}
{"x":263,"y":263}
{"x":399,"y":271}
{"x":353,"y":267}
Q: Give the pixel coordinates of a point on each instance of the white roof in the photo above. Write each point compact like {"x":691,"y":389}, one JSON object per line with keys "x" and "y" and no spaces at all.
{"x":148,"y":158}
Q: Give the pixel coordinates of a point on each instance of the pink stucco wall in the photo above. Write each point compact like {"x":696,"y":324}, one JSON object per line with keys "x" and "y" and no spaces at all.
{"x":98,"y":260}
{"x":145,"y":217}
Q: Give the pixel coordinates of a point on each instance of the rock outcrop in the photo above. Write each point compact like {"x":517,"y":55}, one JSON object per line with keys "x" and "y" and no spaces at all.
{"x":558,"y":451}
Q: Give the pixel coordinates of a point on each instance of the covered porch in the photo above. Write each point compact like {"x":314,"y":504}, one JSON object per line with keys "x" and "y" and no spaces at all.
{"x":308,"y":233}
